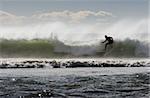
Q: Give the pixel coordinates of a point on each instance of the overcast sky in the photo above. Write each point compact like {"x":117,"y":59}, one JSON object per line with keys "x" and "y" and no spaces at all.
{"x":74,"y":20}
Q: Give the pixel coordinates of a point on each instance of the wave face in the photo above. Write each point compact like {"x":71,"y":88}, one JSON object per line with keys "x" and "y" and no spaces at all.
{"x":46,"y":48}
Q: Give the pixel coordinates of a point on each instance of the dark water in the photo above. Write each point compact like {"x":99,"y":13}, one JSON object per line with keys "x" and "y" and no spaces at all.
{"x":107,"y":84}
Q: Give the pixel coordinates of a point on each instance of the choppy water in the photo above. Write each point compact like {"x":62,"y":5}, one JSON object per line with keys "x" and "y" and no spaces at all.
{"x":122,"y":82}
{"x":73,"y":63}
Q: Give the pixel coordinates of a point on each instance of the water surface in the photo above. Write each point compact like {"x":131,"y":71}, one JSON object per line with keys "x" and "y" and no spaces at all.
{"x":123,"y":82}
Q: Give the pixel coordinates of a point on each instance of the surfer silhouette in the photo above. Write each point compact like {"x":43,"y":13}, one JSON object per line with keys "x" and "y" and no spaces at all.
{"x":109,"y":41}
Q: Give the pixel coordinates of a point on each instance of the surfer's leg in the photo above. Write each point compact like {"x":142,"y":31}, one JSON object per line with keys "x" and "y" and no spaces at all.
{"x":106,"y":46}
{"x":111,"y":45}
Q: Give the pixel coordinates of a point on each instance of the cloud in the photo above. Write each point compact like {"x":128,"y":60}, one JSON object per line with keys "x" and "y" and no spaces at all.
{"x":67,"y":16}
{"x":73,"y":16}
{"x":6,"y":15}
{"x":10,"y":19}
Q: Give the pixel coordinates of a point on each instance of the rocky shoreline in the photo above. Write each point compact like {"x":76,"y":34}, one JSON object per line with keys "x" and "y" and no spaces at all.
{"x":71,"y":64}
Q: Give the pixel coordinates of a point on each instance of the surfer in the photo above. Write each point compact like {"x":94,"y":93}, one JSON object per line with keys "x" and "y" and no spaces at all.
{"x":109,"y":41}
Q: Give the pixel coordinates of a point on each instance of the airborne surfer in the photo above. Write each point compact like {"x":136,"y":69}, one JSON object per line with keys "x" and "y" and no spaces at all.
{"x":109,"y":41}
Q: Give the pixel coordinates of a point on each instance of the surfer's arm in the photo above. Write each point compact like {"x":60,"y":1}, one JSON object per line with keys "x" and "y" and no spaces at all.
{"x":104,"y":41}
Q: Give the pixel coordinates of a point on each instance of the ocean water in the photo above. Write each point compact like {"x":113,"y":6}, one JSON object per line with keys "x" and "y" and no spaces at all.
{"x":89,"y":82}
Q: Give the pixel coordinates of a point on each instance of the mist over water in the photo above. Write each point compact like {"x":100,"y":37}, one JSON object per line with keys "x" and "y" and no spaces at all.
{"x":70,"y":32}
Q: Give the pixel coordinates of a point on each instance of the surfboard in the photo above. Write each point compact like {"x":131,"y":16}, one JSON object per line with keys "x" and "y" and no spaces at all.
{"x":107,"y":52}
{"x":101,"y":53}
